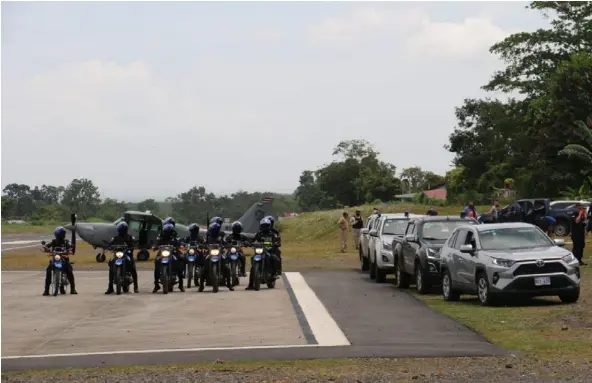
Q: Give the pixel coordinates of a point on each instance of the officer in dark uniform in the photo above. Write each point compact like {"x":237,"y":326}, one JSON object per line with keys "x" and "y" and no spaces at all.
{"x":236,"y":237}
{"x":168,"y":236}
{"x":123,"y":238}
{"x":276,"y":249}
{"x":578,"y":232}
{"x":59,"y":241}
{"x":265,"y":234}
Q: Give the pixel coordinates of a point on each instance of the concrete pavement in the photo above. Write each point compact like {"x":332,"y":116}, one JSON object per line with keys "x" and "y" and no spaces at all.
{"x":317,"y":314}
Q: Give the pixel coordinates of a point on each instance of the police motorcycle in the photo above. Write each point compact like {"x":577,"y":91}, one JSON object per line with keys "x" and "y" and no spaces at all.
{"x":214,"y":262}
{"x":262,"y":266}
{"x":168,"y":276}
{"x":59,"y":256}
{"x":122,"y":276}
{"x":235,"y":251}
{"x":191,"y":252}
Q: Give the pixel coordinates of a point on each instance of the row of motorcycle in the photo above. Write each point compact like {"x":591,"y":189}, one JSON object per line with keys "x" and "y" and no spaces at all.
{"x":205,"y":265}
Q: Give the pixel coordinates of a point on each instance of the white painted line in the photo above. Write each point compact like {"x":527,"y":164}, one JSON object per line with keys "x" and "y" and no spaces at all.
{"x":159,"y":351}
{"x":324,"y":328}
{"x":19,"y":242}
{"x":20,"y":247}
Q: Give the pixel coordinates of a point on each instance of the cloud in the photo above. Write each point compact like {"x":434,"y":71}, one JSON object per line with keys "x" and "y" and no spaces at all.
{"x":268,"y":34}
{"x":421,"y":36}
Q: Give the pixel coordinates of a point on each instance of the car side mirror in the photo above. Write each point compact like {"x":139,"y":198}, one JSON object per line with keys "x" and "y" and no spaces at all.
{"x":364,"y":231}
{"x":410,"y":238}
{"x":466,"y":249}
{"x":373,"y":233}
{"x":43,"y":243}
{"x":560,"y":242}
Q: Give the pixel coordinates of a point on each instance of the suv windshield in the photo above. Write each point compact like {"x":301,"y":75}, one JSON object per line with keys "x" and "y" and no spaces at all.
{"x":514,"y":238}
{"x":394,"y":226}
{"x":441,"y":230}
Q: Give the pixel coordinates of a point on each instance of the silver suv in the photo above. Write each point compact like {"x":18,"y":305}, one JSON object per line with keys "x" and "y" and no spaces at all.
{"x":507,"y":258}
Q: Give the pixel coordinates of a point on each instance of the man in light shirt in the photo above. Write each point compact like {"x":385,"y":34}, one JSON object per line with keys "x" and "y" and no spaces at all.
{"x":343,"y":226}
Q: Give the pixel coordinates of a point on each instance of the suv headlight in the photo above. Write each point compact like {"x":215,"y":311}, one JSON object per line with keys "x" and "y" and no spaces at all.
{"x":502,"y":262}
{"x":432,"y":254}
{"x":569,"y":258}
{"x":387,"y":246}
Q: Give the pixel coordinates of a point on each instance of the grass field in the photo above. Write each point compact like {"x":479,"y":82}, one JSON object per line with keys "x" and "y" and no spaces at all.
{"x":548,"y":335}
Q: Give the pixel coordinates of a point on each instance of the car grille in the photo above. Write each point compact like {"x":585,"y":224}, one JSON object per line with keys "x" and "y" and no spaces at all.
{"x":557,"y":282}
{"x":531,"y":268}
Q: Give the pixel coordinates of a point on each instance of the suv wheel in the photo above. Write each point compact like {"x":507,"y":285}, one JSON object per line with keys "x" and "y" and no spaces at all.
{"x":485,"y":296}
{"x":380,"y":274}
{"x":561,"y":229}
{"x":448,"y":293}
{"x":421,"y":282}
{"x":401,"y":279}
{"x":363,"y":261}
{"x":571,"y":297}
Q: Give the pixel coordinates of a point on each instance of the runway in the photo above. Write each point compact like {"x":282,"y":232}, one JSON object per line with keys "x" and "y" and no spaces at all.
{"x":319,"y":314}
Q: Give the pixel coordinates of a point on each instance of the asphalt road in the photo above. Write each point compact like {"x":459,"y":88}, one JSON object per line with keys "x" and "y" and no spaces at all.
{"x":23,"y":241}
{"x":312,"y":314}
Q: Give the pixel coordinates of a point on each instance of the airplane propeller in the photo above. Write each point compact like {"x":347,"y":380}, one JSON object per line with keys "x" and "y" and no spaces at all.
{"x":73,"y":220}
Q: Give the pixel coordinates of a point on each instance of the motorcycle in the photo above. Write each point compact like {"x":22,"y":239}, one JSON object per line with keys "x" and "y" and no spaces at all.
{"x":168,"y":277}
{"x":192,"y":254}
{"x":262,"y":266}
{"x":213,"y":260}
{"x":122,"y":276}
{"x":234,"y":264}
{"x":59,"y":279}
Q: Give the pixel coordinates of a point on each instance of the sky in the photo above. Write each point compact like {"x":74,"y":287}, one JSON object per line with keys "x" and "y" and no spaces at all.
{"x":148,"y":99}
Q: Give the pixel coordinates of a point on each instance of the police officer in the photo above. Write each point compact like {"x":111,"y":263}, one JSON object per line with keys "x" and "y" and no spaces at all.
{"x":432,"y":211}
{"x":123,"y":238}
{"x":265,"y":234}
{"x":215,"y":236}
{"x":236,"y":237}
{"x":59,"y":241}
{"x":276,"y":249}
{"x":578,"y":232}
{"x":168,"y":236}
{"x":193,"y":237}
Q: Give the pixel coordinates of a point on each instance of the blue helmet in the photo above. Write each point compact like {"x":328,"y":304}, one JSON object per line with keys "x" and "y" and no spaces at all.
{"x":237,"y":227}
{"x":217,"y":220}
{"x":193,"y":228}
{"x":168,"y":228}
{"x":122,"y":228}
{"x":170,"y":220}
{"x":265,"y":224}
{"x":59,"y":232}
{"x":214,"y":229}
{"x":271,"y":219}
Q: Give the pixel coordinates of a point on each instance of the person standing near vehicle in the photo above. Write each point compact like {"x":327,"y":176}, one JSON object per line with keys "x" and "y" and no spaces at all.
{"x":343,"y":226}
{"x":494,"y":211}
{"x":578,"y":232}
{"x":470,"y":210}
{"x":357,"y":225}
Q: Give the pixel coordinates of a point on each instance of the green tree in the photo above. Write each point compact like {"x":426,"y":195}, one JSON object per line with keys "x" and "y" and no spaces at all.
{"x":82,"y":197}
{"x":150,"y":205}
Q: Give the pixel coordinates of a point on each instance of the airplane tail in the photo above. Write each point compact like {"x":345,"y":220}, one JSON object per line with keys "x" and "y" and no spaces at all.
{"x":250,"y":219}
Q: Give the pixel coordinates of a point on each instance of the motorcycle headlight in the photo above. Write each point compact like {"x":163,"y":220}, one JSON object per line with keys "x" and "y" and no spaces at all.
{"x":191,"y":251}
{"x":502,"y":262}
{"x":569,"y":258}
{"x":233,"y":250}
{"x":119,"y":254}
{"x":259,"y":251}
{"x":165,"y":253}
{"x":57,"y":257}
{"x":214,"y":252}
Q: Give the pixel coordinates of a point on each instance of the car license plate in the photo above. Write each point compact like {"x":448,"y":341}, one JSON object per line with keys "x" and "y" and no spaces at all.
{"x":542,"y":281}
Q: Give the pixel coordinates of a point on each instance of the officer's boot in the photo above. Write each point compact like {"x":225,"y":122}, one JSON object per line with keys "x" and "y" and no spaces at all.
{"x":109,"y":289}
{"x":181,"y":287}
{"x":72,"y":285}
{"x":46,"y":290}
{"x":156,"y":287}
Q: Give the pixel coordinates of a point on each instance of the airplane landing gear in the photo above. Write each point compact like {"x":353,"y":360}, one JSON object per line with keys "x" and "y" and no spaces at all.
{"x":100,"y":258}
{"x":143,"y":255}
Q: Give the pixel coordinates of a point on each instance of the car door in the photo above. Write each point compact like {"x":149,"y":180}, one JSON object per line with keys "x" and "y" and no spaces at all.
{"x":365,"y":236}
{"x":372,"y":241}
{"x":408,"y":249}
{"x":470,"y":260}
{"x":458,"y":267}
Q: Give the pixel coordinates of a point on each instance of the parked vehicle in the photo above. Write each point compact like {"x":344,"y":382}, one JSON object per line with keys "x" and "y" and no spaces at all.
{"x":380,"y":242}
{"x":561,"y":211}
{"x":364,"y":242}
{"x":417,"y":258}
{"x":497,"y":260}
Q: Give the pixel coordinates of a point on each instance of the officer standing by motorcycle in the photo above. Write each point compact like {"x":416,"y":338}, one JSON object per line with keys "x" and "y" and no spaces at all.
{"x":276,"y":249}
{"x":123,"y":238}
{"x":192,"y":239}
{"x":265,"y":234}
{"x":59,"y":241}
{"x":237,"y":236}
{"x":168,"y":236}
{"x":215,"y":236}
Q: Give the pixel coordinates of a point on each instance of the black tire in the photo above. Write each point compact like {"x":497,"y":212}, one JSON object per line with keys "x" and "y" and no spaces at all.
{"x":364,"y":265}
{"x":486,"y":298}
{"x":571,"y":297}
{"x":164,"y":279}
{"x":214,"y":277}
{"x":143,"y":255}
{"x":190,"y":272}
{"x":100,"y":258}
{"x":197,"y":276}
{"x":422,"y":284}
{"x":118,"y":280}
{"x":256,"y":276}
{"x":56,"y":282}
{"x":562,"y":228}
{"x":401,"y":279}
{"x":448,"y":292}
{"x":233,"y":274}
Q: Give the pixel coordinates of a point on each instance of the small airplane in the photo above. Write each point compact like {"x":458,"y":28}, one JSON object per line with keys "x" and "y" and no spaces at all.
{"x":146,"y":227}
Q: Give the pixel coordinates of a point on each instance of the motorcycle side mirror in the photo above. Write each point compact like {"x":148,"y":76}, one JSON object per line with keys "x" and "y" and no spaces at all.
{"x":43,"y":242}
